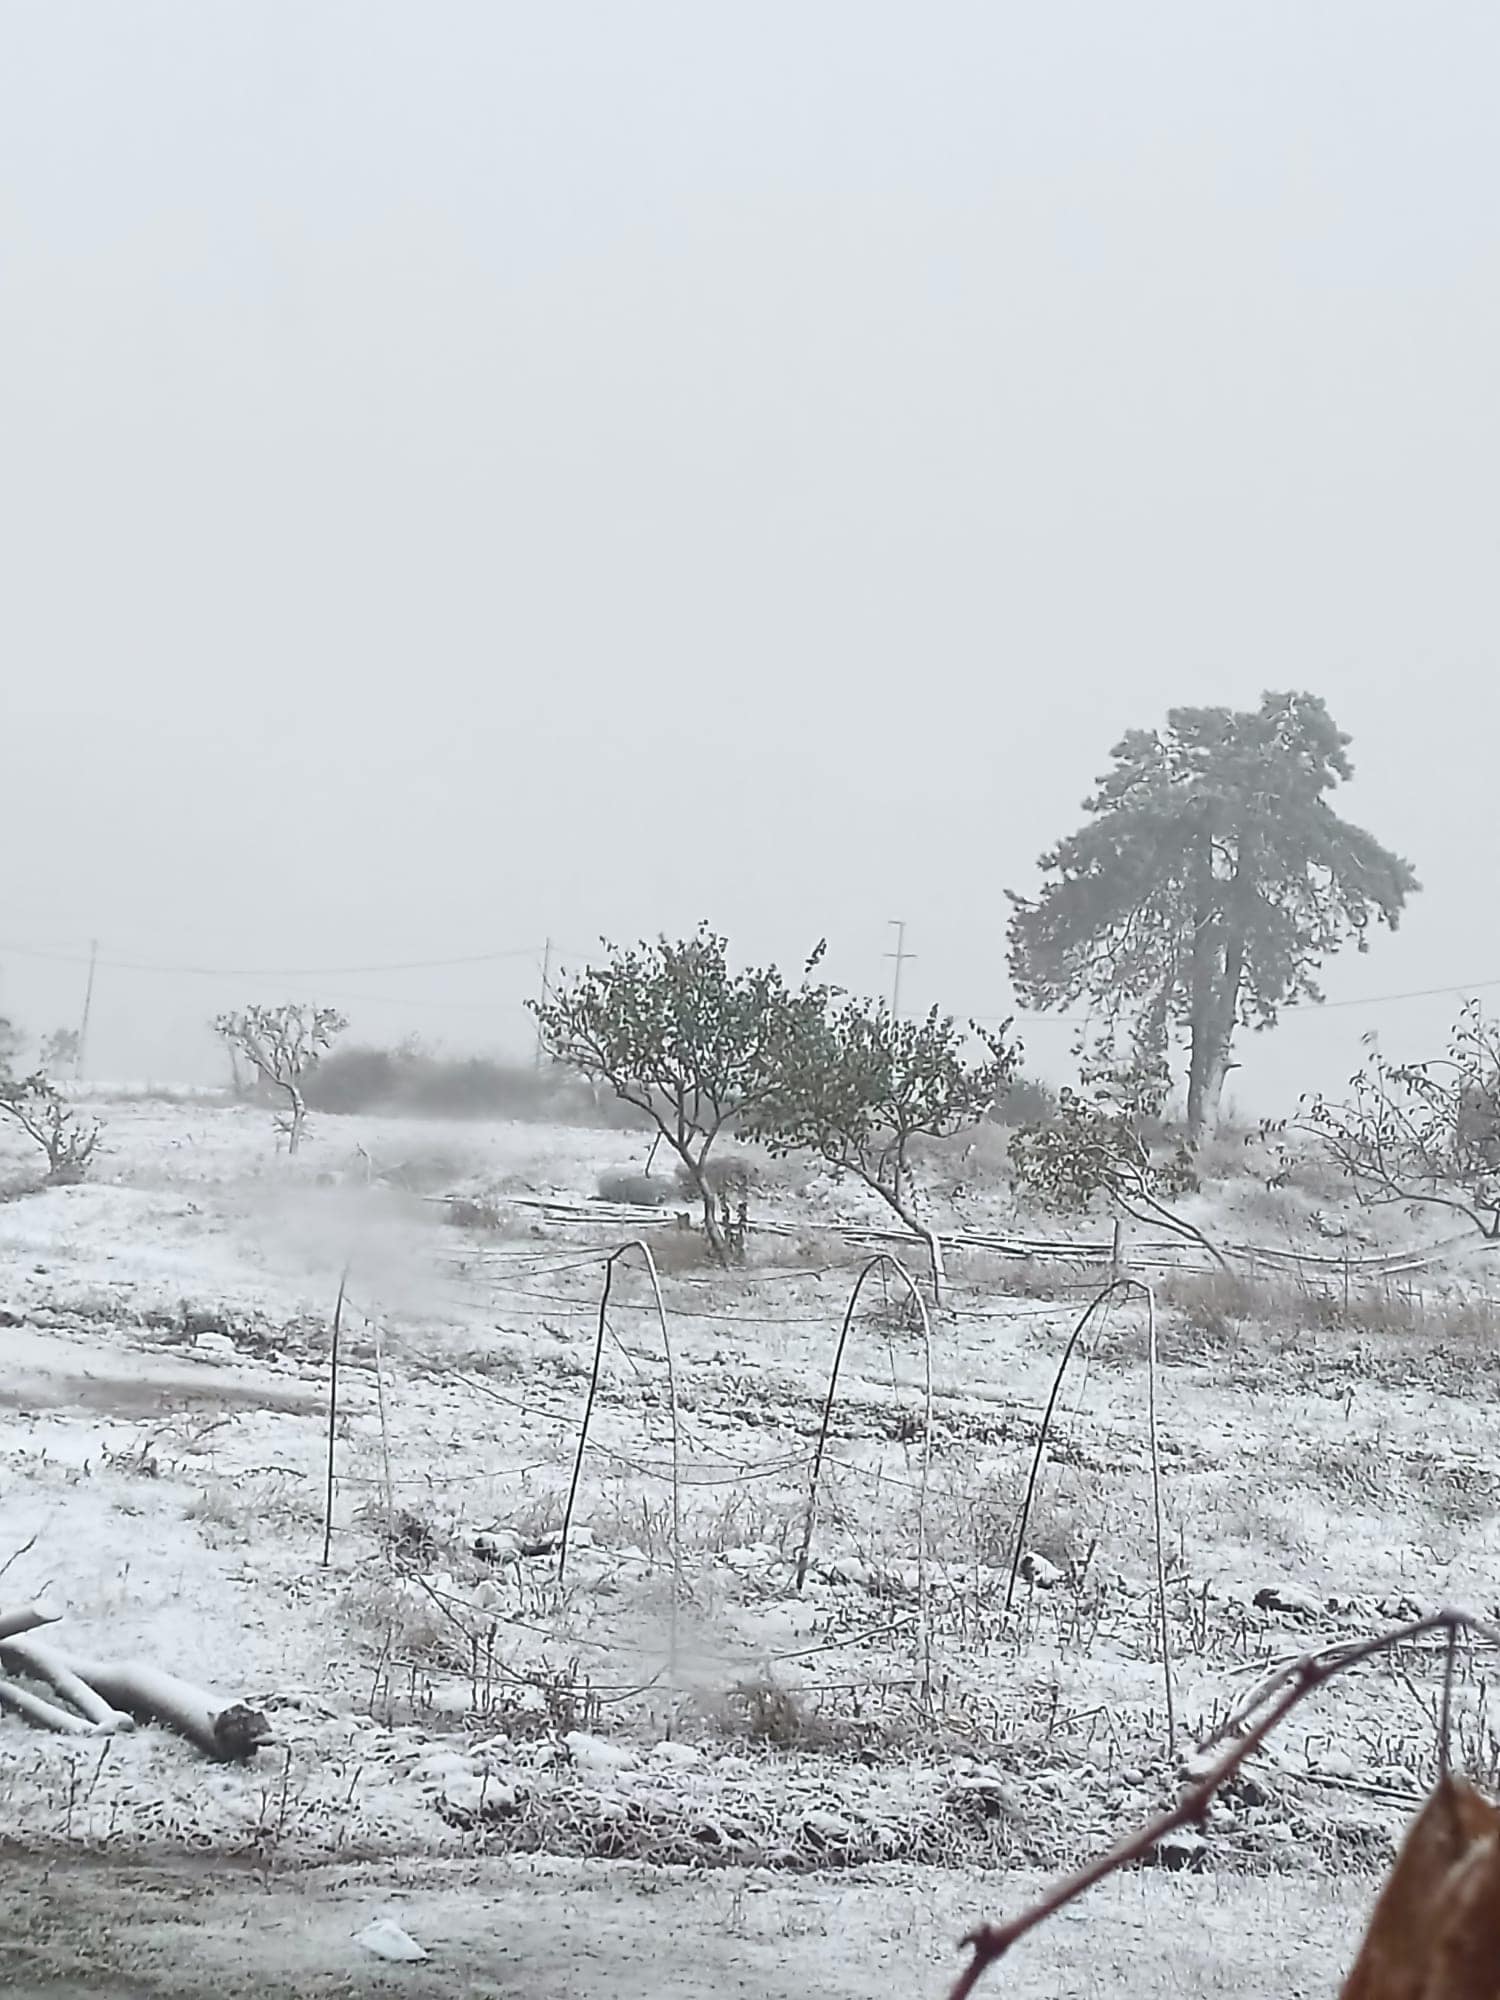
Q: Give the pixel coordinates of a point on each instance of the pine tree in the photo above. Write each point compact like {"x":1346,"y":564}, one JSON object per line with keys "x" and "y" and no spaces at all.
{"x":1210,"y":883}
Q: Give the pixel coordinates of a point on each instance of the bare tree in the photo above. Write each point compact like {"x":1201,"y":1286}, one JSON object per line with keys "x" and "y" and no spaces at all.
{"x":281,"y":1044}
{"x":1423,"y":1134}
{"x":37,"y":1107}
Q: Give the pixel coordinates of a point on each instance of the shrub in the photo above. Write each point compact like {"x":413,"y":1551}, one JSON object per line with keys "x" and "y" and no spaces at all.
{"x":69,"y":1142}
{"x":410,"y":1081}
{"x":861,"y":1087}
{"x":354,"y":1079}
{"x":645,"y":1190}
{"x":1099,"y":1141}
{"x":1025,"y":1102}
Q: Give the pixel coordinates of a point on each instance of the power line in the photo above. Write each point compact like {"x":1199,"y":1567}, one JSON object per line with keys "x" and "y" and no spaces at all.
{"x":1291,"y":1007}
{"x":548,"y":950}
{"x":272,"y":971}
{"x":1381,"y":999}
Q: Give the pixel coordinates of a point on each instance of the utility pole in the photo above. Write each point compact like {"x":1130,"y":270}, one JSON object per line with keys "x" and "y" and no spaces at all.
{"x":900,"y":955}
{"x":546,"y":996}
{"x":88,"y":1007}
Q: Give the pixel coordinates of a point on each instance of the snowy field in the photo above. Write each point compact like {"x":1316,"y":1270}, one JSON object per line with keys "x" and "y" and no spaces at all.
{"x":661,"y":1766}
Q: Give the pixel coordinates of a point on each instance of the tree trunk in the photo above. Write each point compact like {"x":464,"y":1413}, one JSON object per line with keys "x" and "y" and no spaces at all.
{"x":898,"y":1197}
{"x":1211,"y":1091}
{"x":1218,"y":972}
{"x":1224,"y":1007}
{"x":698,"y":1169}
{"x":939,"y":1269}
{"x":711,"y":1226}
{"x":1217,"y":1063}
{"x":298,"y":1118}
{"x":1202,"y":1021}
{"x":221,"y":1728}
{"x":1198,"y":1081}
{"x":1208,"y":1066}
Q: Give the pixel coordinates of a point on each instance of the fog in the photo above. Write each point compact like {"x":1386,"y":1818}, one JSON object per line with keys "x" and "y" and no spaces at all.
{"x":477,"y":474}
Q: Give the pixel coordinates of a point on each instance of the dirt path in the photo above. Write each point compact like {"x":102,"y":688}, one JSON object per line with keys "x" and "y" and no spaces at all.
{"x":76,"y":1930}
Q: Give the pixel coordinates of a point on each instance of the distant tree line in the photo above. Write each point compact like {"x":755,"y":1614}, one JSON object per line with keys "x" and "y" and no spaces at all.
{"x":411,"y":1080}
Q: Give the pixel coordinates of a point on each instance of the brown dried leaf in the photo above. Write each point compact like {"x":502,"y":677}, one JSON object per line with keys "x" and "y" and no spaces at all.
{"x":1435,"y":1933}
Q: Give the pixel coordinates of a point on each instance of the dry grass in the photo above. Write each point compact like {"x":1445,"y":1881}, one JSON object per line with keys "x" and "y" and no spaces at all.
{"x":1373,"y":1474}
{"x":1213,"y":1313}
{"x":975,"y":1514}
{"x":435,"y":1168}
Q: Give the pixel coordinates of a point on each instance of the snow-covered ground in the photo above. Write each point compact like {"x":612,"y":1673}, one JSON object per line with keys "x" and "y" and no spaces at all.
{"x":446,"y":1690}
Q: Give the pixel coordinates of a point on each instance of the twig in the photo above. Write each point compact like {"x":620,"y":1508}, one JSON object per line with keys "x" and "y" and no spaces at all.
{"x":1169,"y":1220}
{"x":1156,"y":1508}
{"x":1446,"y":1716}
{"x":588,"y":1410}
{"x":16,"y":1554}
{"x":333,"y":1411}
{"x":990,"y":1942}
{"x":1122,"y":1284}
{"x":882,"y":1262}
{"x":1093,"y":1306}
{"x":385,"y":1434}
{"x":583,"y":1428}
{"x":638,"y":1243}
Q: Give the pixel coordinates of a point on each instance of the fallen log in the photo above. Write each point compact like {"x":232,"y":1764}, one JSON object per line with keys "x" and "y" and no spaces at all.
{"x":25,"y":1618}
{"x":40,"y":1663}
{"x":44,"y":1713}
{"x":230,"y":1731}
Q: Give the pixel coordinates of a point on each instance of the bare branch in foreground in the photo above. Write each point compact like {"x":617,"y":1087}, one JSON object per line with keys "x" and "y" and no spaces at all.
{"x":1285,"y":1691}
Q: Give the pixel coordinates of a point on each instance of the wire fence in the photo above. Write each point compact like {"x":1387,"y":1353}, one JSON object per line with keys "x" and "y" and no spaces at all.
{"x":1160,"y":1253}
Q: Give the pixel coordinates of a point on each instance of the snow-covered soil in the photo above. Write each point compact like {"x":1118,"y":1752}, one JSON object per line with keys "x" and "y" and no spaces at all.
{"x":450,"y":1694}
{"x":561,"y":1930}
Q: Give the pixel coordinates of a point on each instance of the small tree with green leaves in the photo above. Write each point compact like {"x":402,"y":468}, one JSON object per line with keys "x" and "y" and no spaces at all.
{"x":281,"y":1044}
{"x":862,"y":1087}
{"x":1423,"y":1134}
{"x":675,"y":1031}
{"x":1100,"y":1143}
{"x":35,"y":1105}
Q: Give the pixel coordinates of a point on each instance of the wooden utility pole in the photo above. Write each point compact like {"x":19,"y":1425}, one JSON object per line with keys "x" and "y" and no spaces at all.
{"x":900,"y":955}
{"x":88,"y":1008}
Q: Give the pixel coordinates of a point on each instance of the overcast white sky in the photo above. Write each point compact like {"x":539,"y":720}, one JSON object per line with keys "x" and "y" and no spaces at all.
{"x":480,"y":471}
